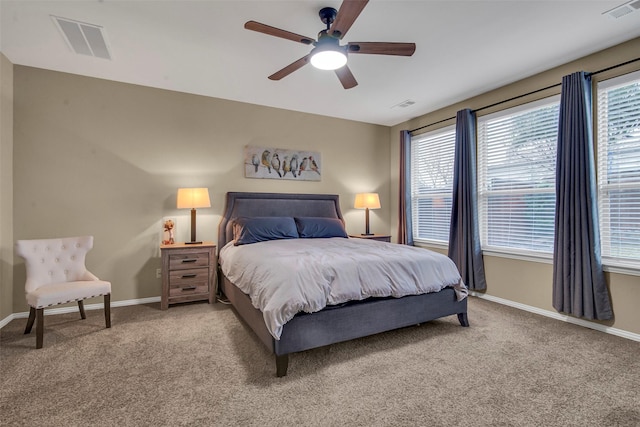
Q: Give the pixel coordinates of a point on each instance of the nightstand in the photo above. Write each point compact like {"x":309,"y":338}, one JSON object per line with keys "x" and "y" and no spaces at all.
{"x":380,"y":237}
{"x":189,"y":273}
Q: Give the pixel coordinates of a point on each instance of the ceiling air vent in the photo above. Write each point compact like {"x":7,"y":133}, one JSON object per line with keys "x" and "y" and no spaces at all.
{"x":408,"y":102}
{"x":623,"y":9}
{"x":83,"y":38}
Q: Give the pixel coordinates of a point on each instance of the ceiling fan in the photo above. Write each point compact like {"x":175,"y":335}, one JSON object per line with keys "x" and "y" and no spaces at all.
{"x":327,"y":53}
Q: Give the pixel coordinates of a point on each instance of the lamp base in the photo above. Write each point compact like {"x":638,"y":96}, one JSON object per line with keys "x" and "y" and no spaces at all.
{"x":193,"y":229}
{"x":367,"y":234}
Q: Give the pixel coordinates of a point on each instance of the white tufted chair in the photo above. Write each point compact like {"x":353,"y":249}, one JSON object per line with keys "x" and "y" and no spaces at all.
{"x":56,"y":274}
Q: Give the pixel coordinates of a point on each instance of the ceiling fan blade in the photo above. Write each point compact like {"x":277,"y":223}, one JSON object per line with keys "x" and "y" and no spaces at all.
{"x":277,"y":32}
{"x":346,"y":77}
{"x":382,"y":48}
{"x":347,"y":14}
{"x":294,"y":66}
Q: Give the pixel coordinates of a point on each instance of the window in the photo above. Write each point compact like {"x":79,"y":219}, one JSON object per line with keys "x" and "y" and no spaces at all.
{"x":516,"y":178}
{"x":432,"y":184}
{"x":619,"y":169}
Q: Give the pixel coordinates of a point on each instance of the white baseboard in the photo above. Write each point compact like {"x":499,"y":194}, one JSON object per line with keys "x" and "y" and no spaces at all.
{"x":555,"y":315}
{"x":592,"y":325}
{"x":62,"y":310}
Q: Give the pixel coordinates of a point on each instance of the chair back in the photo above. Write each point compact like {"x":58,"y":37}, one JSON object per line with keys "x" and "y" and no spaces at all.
{"x":51,"y":261}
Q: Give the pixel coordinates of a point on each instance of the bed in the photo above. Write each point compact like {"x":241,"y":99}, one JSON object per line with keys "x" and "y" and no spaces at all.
{"x":335,"y":322}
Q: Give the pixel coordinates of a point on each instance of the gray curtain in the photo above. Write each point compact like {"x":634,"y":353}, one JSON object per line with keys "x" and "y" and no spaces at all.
{"x":405,"y":228}
{"x":464,"y":235}
{"x":579,"y":287}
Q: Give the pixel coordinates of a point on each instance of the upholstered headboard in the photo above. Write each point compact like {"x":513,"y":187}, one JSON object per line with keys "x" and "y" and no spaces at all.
{"x":275,"y":204}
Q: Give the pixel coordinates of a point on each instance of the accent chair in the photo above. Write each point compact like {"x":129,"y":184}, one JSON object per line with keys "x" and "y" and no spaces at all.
{"x":56,"y":274}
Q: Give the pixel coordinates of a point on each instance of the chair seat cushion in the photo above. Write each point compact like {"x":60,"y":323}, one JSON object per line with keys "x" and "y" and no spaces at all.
{"x":61,"y":293}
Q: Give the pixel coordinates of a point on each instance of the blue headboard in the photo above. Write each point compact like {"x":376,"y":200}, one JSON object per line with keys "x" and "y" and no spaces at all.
{"x":275,"y":204}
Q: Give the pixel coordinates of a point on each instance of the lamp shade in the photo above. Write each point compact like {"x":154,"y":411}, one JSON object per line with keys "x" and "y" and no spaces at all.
{"x":367,"y":200}
{"x":191,"y":198}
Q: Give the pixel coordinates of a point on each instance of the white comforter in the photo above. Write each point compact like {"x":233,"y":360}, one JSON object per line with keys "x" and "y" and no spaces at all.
{"x":285,"y":277}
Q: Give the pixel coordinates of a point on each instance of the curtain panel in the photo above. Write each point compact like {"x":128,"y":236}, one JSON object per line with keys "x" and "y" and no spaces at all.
{"x":464,"y":235}
{"x":405,"y":228}
{"x":579,"y":286}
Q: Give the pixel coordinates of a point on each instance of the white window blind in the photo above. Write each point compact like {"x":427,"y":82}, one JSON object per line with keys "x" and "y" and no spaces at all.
{"x":619,"y":169}
{"x":432,"y":184}
{"x":516,"y":178}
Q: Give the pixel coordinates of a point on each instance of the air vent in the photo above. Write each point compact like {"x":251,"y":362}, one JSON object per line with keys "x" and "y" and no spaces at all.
{"x":83,"y":38}
{"x":404,"y":104}
{"x":624,"y":9}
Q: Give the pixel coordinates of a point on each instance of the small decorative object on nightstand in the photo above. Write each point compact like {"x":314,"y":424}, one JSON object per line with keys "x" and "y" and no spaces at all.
{"x":380,"y":237}
{"x":188,"y":273}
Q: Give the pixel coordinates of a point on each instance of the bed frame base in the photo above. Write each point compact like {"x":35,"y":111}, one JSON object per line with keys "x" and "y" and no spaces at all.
{"x":462,"y":318}
{"x":311,"y":330}
{"x":282,"y":363}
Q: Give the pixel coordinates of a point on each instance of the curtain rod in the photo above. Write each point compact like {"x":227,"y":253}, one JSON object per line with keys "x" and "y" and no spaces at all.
{"x":527,"y":94}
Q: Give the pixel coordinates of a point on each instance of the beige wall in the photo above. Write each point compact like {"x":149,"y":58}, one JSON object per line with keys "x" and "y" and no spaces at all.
{"x":103,"y":158}
{"x":6,"y":187}
{"x":525,"y":282}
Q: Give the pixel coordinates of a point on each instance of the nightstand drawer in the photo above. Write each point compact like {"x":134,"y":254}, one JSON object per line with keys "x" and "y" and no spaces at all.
{"x":191,"y":276}
{"x":179,"y":261}
{"x":188,"y":282}
{"x":182,"y":289}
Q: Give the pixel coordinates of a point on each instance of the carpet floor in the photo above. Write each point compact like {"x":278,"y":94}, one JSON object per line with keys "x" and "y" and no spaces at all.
{"x":199,"y":365}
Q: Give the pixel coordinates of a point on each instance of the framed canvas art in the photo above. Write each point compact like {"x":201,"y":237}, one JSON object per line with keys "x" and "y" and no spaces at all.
{"x":278,"y":163}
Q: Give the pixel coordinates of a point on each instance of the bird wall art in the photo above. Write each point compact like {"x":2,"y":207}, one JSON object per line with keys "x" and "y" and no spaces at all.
{"x":278,"y":163}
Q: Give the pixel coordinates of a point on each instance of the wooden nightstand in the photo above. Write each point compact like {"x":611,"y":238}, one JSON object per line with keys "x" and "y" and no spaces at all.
{"x":189,"y":273}
{"x":380,"y":237}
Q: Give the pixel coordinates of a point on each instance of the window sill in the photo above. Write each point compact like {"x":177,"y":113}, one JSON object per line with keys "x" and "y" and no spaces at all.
{"x":548,"y":259}
{"x":431,"y":244}
{"x":621,"y":269}
{"x":618,"y":268}
{"x":543,"y":258}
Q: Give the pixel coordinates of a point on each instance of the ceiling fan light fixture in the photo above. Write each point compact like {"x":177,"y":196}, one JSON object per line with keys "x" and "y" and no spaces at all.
{"x":328,"y":59}
{"x":327,"y":53}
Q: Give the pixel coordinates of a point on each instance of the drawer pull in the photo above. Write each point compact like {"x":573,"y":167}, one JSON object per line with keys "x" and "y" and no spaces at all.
{"x":189,"y":288}
{"x":189,"y":276}
{"x":187,"y":260}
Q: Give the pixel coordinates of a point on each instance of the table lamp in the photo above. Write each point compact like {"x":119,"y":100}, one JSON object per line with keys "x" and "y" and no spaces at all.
{"x":367,"y":201}
{"x":192,"y":198}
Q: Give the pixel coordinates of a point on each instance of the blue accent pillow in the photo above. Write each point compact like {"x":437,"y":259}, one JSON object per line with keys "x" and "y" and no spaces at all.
{"x":318,"y":227}
{"x":261,"y":229}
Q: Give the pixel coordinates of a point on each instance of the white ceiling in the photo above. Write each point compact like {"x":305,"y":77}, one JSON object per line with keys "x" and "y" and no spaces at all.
{"x":464,"y":48}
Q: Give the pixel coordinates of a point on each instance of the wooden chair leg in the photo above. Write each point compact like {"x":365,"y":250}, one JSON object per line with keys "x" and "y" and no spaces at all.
{"x":39,"y":327}
{"x":81,"y":307}
{"x":107,"y":310}
{"x":32,"y":318}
